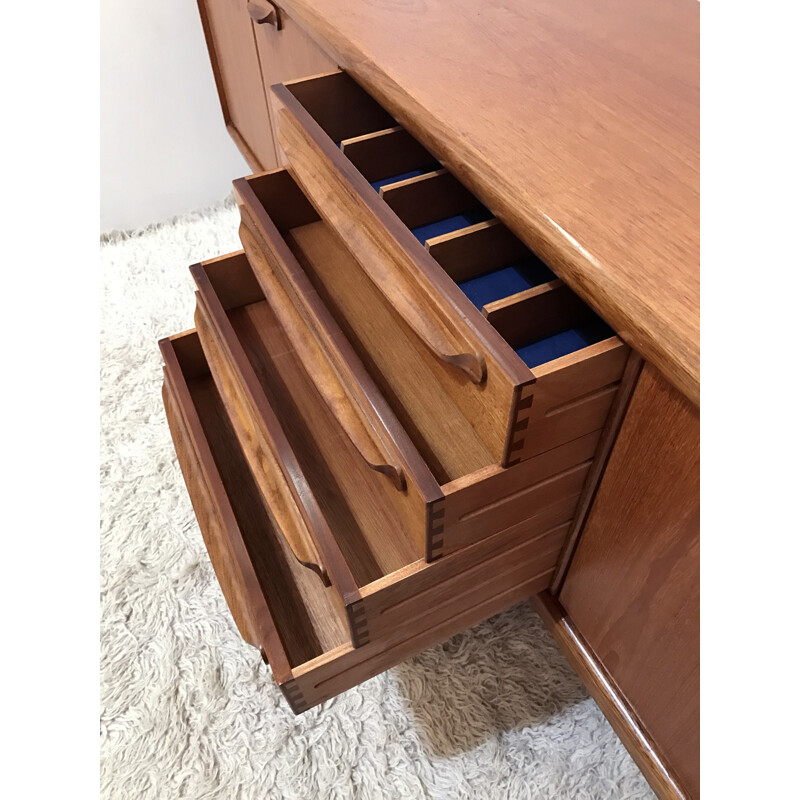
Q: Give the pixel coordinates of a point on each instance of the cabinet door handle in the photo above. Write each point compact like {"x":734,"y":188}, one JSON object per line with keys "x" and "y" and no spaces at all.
{"x":265,"y":14}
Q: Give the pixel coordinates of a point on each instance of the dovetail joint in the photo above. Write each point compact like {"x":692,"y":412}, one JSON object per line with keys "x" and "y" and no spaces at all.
{"x":294,"y":696}
{"x":436,"y":528}
{"x":358,"y":623}
{"x":519,"y":427}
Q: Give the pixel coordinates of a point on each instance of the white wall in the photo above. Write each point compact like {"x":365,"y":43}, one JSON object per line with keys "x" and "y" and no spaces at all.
{"x":164,"y":148}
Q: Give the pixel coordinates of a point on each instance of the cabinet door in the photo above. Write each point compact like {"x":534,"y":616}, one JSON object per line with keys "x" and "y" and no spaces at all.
{"x":633,"y":588}
{"x":286,"y":55}
{"x":234,"y":57}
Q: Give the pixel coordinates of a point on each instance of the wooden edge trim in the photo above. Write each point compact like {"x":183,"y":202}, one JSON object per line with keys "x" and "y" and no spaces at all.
{"x":260,"y":615}
{"x":432,"y":243}
{"x":336,"y":566}
{"x":212,"y":54}
{"x":496,"y":306}
{"x":488,"y":339}
{"x":609,"y":698}
{"x":244,"y":148}
{"x":365,"y":137}
{"x":294,"y":279}
{"x":614,"y":420}
{"x":577,"y":356}
{"x":435,"y":175}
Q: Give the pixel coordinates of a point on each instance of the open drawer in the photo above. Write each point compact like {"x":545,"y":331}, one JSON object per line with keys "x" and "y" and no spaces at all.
{"x":421,"y":246}
{"x":345,"y":484}
{"x":283,"y":607}
{"x":287,"y":242}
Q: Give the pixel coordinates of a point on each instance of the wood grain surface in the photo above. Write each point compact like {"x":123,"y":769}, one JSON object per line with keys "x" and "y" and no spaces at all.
{"x":612,"y":703}
{"x":285,"y":55}
{"x":234,"y":59}
{"x":277,"y":474}
{"x":576,"y":123}
{"x":567,"y":415}
{"x":278,"y":604}
{"x":633,"y":588}
{"x":407,"y":374}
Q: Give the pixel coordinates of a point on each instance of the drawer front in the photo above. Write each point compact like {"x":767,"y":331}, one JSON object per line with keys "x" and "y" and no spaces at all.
{"x":474,"y":367}
{"x":426,"y":594}
{"x":283,"y":607}
{"x":216,"y":518}
{"x":218,"y":544}
{"x":286,"y":429}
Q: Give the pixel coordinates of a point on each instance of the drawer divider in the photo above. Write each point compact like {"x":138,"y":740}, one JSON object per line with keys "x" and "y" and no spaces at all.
{"x":477,"y":249}
{"x":388,"y":152}
{"x":425,"y":199}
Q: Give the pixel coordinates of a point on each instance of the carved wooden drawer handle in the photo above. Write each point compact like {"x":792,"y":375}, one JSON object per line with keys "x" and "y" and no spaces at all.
{"x":265,"y":14}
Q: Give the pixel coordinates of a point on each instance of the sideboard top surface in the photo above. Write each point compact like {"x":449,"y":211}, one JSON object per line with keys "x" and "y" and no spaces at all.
{"x":576,"y":121}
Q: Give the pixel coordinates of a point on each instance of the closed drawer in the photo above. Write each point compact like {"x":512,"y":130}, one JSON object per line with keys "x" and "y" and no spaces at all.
{"x":345,"y":484}
{"x":411,"y":262}
{"x":282,"y":606}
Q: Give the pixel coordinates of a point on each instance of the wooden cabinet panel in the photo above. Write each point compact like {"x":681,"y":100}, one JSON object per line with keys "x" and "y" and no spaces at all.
{"x":234,"y":58}
{"x":286,"y":55}
{"x":633,"y":588}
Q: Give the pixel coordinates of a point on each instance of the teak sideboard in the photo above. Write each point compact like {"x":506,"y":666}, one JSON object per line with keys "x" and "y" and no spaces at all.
{"x":456,"y":363}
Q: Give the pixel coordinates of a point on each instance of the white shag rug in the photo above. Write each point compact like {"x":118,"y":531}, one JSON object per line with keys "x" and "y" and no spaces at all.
{"x":188,"y":710}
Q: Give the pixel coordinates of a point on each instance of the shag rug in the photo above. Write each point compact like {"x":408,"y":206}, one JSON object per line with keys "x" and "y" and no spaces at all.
{"x":188,"y":710}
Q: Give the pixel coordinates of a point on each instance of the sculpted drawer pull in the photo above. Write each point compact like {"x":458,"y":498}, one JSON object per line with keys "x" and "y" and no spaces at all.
{"x":269,"y":15}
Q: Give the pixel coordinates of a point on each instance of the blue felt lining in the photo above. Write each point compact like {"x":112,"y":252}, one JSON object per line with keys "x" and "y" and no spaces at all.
{"x":561,"y":344}
{"x":507,"y":281}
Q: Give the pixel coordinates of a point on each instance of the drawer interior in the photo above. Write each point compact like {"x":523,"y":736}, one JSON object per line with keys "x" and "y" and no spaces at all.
{"x":368,"y":530}
{"x":308,"y":616}
{"x":546,"y":323}
{"x":495,"y":271}
{"x":444,"y":436}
